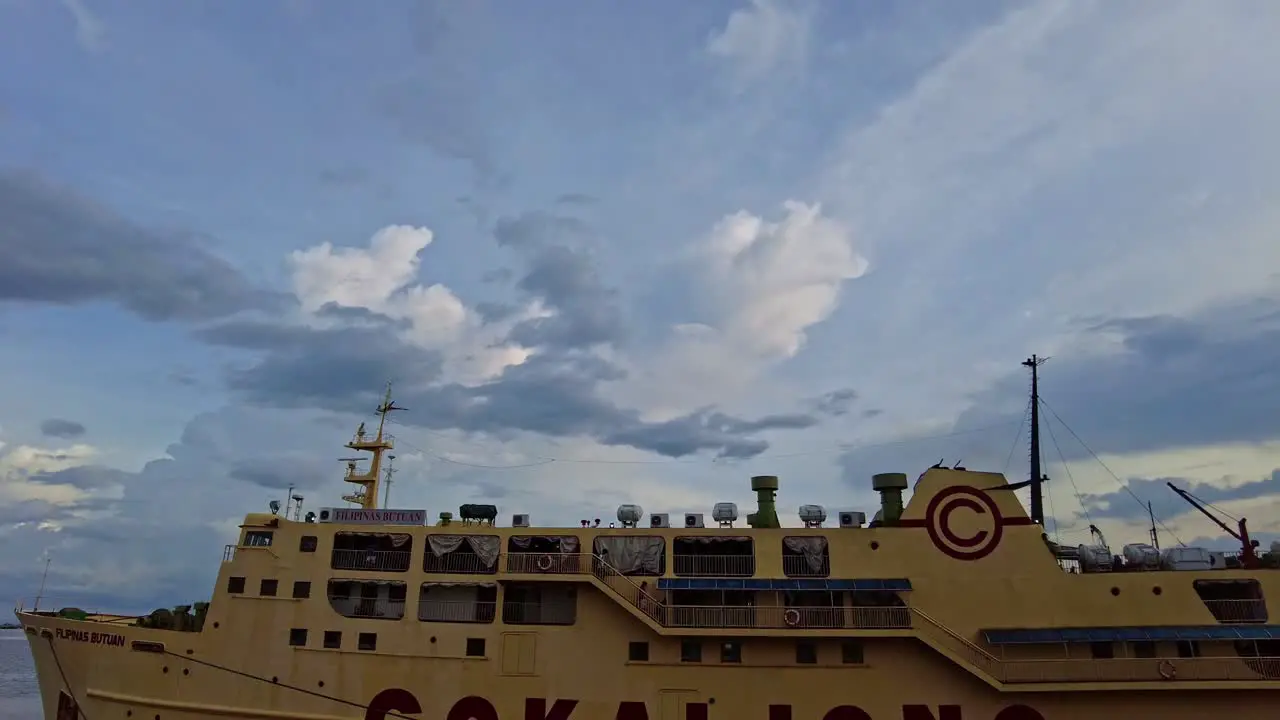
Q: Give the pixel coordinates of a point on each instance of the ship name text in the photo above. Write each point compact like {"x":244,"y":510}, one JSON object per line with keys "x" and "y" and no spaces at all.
{"x":93,"y":638}
{"x":398,"y":701}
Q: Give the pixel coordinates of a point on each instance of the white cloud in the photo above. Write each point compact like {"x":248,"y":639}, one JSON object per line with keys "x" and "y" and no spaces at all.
{"x":382,"y":278}
{"x":765,"y":283}
{"x":764,"y":37}
{"x":90,"y":32}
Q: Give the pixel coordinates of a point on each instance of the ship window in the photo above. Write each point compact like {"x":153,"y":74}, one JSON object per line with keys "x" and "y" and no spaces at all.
{"x":1102,"y":650}
{"x":367,"y":641}
{"x":806,"y":653}
{"x":374,"y":552}
{"x":713,"y":556}
{"x":540,"y":604}
{"x":691,"y":651}
{"x":301,"y":589}
{"x":298,"y":636}
{"x":475,"y":647}
{"x":638,"y":651}
{"x":1188,"y":649}
{"x":805,"y":556}
{"x":464,"y":554}
{"x":731,"y":651}
{"x":461,"y":602}
{"x":308,"y":543}
{"x":235,"y":585}
{"x":258,"y":538}
{"x":378,"y":599}
{"x":1144,"y":649}
{"x":268,"y":587}
{"x":851,"y":653}
{"x":333,"y":639}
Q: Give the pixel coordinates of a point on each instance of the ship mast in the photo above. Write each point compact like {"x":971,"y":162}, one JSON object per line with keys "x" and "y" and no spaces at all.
{"x":1037,"y":477}
{"x":366,"y":496}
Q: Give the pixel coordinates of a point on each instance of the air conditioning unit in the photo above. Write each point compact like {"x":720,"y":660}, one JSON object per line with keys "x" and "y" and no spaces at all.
{"x":659,"y":520}
{"x":520,"y":520}
{"x":326,"y":514}
{"x":852,"y":519}
{"x":693,"y":520}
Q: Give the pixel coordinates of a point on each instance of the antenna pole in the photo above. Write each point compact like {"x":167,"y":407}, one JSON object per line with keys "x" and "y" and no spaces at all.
{"x":1155,"y":537}
{"x":1037,"y":478}
{"x":386,"y":491}
{"x":47,"y":559}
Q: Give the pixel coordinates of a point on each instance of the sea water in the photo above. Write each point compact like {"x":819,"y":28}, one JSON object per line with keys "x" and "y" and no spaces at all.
{"x":19,"y":693}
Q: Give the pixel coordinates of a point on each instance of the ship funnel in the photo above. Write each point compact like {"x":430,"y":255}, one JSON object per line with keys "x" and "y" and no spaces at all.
{"x":766,"y":489}
{"x":890,"y":487}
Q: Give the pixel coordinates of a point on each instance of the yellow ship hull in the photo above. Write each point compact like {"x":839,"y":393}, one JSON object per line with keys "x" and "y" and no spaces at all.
{"x":119,"y":671}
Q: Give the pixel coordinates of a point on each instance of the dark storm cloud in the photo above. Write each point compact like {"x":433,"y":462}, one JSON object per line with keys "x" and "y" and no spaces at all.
{"x":834,"y":403}
{"x":555,"y":394}
{"x":436,"y":103}
{"x":1204,"y":379}
{"x":1165,"y":503}
{"x":340,"y":369}
{"x":1208,"y":378}
{"x":56,"y":247}
{"x":59,"y":428}
{"x":561,"y":271}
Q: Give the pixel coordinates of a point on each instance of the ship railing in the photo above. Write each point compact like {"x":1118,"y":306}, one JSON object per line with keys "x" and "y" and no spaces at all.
{"x":363,"y":607}
{"x":456,"y":611}
{"x":641,"y":598}
{"x":1163,"y":670}
{"x":784,"y":617}
{"x":372,"y":560}
{"x":977,"y":657}
{"x":458,"y":564}
{"x":797,"y":566}
{"x":714,"y":565}
{"x":1238,"y":611}
{"x":533,"y":613}
{"x":535,"y":563}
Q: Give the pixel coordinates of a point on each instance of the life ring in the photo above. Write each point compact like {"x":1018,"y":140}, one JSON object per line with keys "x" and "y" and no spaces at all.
{"x":544,"y":563}
{"x":1167,"y":670}
{"x":791,"y":617}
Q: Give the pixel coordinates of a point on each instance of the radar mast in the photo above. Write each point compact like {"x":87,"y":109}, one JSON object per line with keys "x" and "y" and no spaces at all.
{"x":366,"y":495}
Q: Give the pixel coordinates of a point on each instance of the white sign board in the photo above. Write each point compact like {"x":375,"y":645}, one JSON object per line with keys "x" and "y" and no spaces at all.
{"x":361,"y":516}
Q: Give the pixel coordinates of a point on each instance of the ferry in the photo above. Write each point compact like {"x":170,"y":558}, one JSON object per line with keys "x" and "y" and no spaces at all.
{"x":950,"y":604}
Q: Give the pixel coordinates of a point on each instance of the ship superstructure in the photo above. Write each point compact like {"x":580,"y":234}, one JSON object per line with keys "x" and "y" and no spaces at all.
{"x":951,"y":604}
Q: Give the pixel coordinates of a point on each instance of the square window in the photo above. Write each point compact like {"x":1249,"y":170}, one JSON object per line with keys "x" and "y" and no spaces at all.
{"x":298,"y":636}
{"x":367,"y":641}
{"x":690,"y":651}
{"x":806,"y":653}
{"x":851,"y":653}
{"x":1144,"y":649}
{"x":638,"y":652}
{"x":1102,"y":650}
{"x":302,"y":589}
{"x":268,"y":588}
{"x":475,"y":647}
{"x":731,"y":651}
{"x":333,"y":639}
{"x":1188,"y":649}
{"x":308,"y":543}
{"x":235,"y":585}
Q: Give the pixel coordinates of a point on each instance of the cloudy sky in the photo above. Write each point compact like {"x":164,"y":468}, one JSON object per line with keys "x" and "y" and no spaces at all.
{"x":615,"y":255}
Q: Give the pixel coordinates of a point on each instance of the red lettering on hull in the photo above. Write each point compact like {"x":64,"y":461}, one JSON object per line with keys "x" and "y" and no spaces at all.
{"x":922,"y":712}
{"x":474,"y":707}
{"x":392,"y":700}
{"x":536,"y":709}
{"x":846,"y":712}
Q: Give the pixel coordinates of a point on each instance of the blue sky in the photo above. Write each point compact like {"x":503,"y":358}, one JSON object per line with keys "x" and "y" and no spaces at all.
{"x":610,"y":255}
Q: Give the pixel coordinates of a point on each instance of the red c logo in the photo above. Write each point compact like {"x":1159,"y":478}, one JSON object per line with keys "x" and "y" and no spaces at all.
{"x":938,"y":521}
